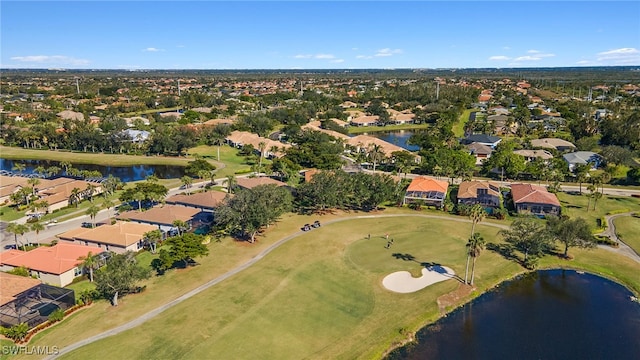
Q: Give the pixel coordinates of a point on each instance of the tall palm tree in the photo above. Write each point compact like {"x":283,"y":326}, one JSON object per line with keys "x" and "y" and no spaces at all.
{"x":152,"y":237}
{"x":89,"y":262}
{"x":180,"y":225}
{"x":139,"y":196}
{"x":375,"y":153}
{"x":40,"y":170}
{"x":37,"y":227}
{"x":476,"y":214}
{"x":53,"y":170}
{"x":66,"y":165}
{"x":212,"y":177}
{"x":92,"y":212}
{"x":187,"y":181}
{"x":17,"y":229}
{"x":89,"y":191}
{"x":74,"y":197}
{"x":475,"y":246}
{"x":261,"y":146}
{"x":108,"y":204}
{"x":231,"y":182}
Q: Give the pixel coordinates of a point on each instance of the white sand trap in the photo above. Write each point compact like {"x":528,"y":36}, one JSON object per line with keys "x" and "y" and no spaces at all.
{"x":403,"y":282}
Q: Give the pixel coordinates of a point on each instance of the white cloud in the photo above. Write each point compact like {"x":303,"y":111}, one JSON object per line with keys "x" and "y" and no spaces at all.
{"x":302,"y":56}
{"x":532,"y":51}
{"x":620,"y":56}
{"x":324,"y":56}
{"x":499,"y":57}
{"x":364,"y":57}
{"x":506,"y":48}
{"x":535,"y":56}
{"x":152,"y":49}
{"x":316,"y":56}
{"x":337,"y":61}
{"x":387,"y":52}
{"x":51,"y":60}
{"x":584,"y":62}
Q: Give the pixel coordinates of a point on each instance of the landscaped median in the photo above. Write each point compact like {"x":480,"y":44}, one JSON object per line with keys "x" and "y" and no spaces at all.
{"x":319,"y":295}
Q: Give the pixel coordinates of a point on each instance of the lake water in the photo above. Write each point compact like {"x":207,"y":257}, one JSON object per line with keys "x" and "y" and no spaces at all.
{"x":125,"y":173}
{"x":396,"y":137}
{"x":553,"y":314}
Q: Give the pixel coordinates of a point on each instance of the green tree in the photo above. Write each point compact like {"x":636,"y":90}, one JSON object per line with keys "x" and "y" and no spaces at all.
{"x":187,"y":181}
{"x":119,"y":276}
{"x":183,"y":249}
{"x":37,"y":227}
{"x":252,"y":209}
{"x":17,"y":229}
{"x":571,"y":233}
{"x":108,"y":204}
{"x":19,"y":167}
{"x":152,"y":238}
{"x":75,"y":196}
{"x":581,"y":172}
{"x":231,"y":183}
{"x":475,"y":246}
{"x":529,"y":236}
{"x":93,"y":212}
{"x":476,"y":214}
{"x":181,"y":226}
{"x":89,"y":263}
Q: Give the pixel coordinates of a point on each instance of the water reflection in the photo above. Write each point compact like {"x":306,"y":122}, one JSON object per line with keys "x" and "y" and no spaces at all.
{"x":125,"y":173}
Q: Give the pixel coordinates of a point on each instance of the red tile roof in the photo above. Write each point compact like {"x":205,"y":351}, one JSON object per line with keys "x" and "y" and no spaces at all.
{"x":12,"y":285}
{"x":56,"y":259}
{"x":425,"y":184}
{"x":528,"y":193}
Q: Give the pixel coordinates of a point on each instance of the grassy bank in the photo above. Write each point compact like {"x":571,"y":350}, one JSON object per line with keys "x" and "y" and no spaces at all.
{"x":317,"y":296}
{"x":628,"y":229}
{"x":458,"y":128}
{"x":15,"y":153}
{"x":370,"y":129}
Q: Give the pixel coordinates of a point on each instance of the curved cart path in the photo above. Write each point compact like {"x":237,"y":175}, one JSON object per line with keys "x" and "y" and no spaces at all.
{"x":610,"y":232}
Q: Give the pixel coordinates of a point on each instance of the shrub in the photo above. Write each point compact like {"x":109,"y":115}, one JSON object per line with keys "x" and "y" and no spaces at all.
{"x":500,"y":213}
{"x":532,"y":262}
{"x":17,"y":332}
{"x":56,"y":315}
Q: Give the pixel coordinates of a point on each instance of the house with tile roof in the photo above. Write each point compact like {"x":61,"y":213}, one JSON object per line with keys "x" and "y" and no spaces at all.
{"x":582,"y":158}
{"x":208,"y":200}
{"x":430,"y":192}
{"x":484,"y":139}
{"x":365,"y":121}
{"x":531,"y":155}
{"x":536,"y":200}
{"x":28,"y":300}
{"x":120,"y":237}
{"x":56,"y":265}
{"x":161,"y":216}
{"x":484,"y":193}
{"x":251,"y":182}
{"x":480,"y":151}
{"x":553,"y":143}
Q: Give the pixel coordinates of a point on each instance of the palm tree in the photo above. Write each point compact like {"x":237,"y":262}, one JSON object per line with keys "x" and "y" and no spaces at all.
{"x":66,"y":165}
{"x":52,"y":170}
{"x":89,"y":262}
{"x":203,"y":174}
{"x":92,"y":212}
{"x":231,"y":182}
{"x":152,"y":179}
{"x":37,"y":227}
{"x":475,"y":246}
{"x":108,"y":204}
{"x":476,"y":214}
{"x":187,"y":181}
{"x":592,"y":189}
{"x":17,"y":229}
{"x":152,"y":238}
{"x":40,"y":170}
{"x":74,"y":197}
{"x":596,"y":196}
{"x":139,"y":196}
{"x":375,"y":151}
{"x":581,"y":170}
{"x":261,"y":146}
{"x":212,"y":177}
{"x":19,"y":167}
{"x":89,"y":191}
{"x":33,"y":182}
{"x":180,"y":225}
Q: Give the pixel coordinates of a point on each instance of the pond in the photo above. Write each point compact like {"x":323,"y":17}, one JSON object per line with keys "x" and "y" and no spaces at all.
{"x":552,"y":314}
{"x":396,"y":137}
{"x":125,"y":173}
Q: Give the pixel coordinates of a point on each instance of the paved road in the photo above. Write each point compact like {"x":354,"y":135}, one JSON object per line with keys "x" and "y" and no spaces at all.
{"x":157,"y":311}
{"x":610,"y":232}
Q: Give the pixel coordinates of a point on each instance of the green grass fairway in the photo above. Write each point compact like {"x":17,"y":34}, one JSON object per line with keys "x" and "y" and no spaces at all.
{"x":228,"y":156}
{"x":576,"y":206}
{"x":458,"y":127}
{"x":628,"y":229}
{"x":318,"y":296}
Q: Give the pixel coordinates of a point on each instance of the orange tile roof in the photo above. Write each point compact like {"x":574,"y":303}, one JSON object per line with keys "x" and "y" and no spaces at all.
{"x":56,"y":259}
{"x":528,"y":193}
{"x":422,"y":183}
{"x":13,"y":285}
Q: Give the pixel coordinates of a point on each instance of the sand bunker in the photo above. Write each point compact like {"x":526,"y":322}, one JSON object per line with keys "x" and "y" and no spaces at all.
{"x":403,"y":282}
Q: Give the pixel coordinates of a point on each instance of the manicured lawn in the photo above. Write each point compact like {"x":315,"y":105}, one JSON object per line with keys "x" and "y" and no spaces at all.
{"x":10,"y":213}
{"x":317,"y":296}
{"x":234,"y":164}
{"x":628,"y":229}
{"x":370,"y":129}
{"x":458,"y":128}
{"x":81,"y":286}
{"x":576,"y":206}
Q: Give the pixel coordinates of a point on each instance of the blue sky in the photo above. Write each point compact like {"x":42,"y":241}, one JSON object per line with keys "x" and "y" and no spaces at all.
{"x":317,"y":35}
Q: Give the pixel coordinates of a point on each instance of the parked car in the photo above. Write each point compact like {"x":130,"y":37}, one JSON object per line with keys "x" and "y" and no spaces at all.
{"x":87,"y":225}
{"x":316,"y":224}
{"x":306,"y":227}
